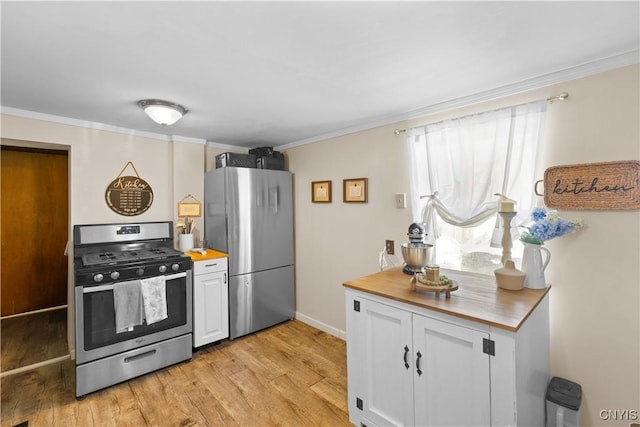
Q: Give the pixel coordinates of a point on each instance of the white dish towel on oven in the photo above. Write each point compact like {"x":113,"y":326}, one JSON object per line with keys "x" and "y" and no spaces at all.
{"x":154,"y":298}
{"x":127,"y":304}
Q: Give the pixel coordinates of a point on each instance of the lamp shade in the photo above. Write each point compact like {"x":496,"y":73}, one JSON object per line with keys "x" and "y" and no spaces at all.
{"x":162,"y":112}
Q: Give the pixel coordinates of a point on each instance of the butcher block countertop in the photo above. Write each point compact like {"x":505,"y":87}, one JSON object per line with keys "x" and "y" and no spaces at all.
{"x":477,"y":298}
{"x":211,"y":254}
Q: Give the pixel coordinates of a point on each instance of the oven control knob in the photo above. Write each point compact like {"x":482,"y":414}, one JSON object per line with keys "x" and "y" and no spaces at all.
{"x":162,"y":268}
{"x":175,"y":267}
{"x":115,"y":275}
{"x":98,"y":277}
{"x":140,"y":271}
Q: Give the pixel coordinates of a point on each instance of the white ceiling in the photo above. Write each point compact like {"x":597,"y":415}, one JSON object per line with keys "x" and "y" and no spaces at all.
{"x":277,"y":73}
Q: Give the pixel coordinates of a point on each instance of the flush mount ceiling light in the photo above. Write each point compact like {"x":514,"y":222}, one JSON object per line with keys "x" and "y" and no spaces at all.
{"x":162,"y":112}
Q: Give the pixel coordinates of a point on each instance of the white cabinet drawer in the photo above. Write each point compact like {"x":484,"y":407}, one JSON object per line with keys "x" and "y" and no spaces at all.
{"x":209,"y":266}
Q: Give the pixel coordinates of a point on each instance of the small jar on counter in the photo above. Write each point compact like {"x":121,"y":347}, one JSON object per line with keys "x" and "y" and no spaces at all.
{"x":432,"y":274}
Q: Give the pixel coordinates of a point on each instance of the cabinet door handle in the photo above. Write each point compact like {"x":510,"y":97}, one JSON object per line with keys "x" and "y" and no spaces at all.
{"x":225,"y":278}
{"x":418,"y":363}
{"x":406,"y":353}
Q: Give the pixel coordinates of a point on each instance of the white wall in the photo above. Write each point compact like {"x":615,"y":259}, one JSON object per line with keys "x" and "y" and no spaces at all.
{"x":595,"y":276}
{"x":339,"y":241}
{"x":96,"y":157}
{"x":188,"y":172}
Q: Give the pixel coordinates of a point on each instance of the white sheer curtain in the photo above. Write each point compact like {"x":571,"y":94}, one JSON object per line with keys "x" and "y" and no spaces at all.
{"x":460,"y":164}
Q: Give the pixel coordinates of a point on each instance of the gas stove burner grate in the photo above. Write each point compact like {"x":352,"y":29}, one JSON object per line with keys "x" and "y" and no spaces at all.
{"x":160,"y":251}
{"x":127,"y":256}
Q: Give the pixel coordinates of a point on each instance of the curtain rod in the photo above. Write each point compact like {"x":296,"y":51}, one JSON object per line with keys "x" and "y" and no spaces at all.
{"x":559,"y":97}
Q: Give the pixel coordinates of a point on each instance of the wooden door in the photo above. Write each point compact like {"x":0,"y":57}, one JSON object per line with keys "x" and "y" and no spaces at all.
{"x":34,"y":229}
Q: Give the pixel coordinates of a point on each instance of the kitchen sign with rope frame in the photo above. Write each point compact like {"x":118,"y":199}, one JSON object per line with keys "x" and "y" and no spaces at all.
{"x":593,"y":186}
{"x":129,"y":195}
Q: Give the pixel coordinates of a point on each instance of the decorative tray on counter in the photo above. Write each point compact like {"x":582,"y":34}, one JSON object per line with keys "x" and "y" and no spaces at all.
{"x":420,"y":283}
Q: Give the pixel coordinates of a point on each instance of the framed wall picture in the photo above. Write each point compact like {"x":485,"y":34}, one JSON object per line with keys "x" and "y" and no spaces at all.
{"x":189,"y":209}
{"x":321,"y":191}
{"x":354,"y":190}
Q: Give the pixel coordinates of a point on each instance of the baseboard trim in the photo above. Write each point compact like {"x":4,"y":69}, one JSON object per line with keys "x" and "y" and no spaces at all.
{"x":42,"y":310}
{"x":322,"y":326}
{"x":34,"y":366}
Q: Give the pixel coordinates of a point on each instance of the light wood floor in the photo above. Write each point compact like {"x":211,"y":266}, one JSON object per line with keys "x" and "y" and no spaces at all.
{"x":288,"y":375}
{"x":33,"y":338}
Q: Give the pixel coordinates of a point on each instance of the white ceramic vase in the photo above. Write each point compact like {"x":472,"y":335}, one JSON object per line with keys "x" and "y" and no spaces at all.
{"x":533,"y":266}
{"x":509,"y":277}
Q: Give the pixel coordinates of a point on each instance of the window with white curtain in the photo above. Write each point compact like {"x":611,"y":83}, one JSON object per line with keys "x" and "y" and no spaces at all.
{"x":458,"y":166}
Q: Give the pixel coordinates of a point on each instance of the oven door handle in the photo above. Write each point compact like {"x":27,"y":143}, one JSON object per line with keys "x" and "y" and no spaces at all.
{"x":175,"y":276}
{"x":100,"y":288}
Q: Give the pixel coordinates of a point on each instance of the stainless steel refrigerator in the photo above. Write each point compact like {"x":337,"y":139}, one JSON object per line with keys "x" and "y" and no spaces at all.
{"x":249,"y":215}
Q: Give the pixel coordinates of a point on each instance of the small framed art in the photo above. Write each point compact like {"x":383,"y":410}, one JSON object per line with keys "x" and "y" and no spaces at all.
{"x":321,"y":191}
{"x":189,"y":209}
{"x":354,"y":190}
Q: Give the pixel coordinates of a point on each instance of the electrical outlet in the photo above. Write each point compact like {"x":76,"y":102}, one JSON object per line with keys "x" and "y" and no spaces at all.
{"x":389,"y":245}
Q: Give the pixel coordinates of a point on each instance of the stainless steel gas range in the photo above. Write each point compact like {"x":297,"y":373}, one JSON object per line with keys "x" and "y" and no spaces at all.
{"x":133,"y":304}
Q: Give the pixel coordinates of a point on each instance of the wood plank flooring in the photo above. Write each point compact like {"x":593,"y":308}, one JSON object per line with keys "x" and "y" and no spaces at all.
{"x":289,"y":375}
{"x":33,"y":338}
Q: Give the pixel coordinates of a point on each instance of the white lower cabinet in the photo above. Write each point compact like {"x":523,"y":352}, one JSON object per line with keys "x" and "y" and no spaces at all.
{"x":408,"y":366}
{"x":210,"y":301}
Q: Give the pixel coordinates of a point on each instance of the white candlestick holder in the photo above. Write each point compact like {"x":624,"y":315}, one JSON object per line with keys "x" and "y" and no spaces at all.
{"x":506,"y":235}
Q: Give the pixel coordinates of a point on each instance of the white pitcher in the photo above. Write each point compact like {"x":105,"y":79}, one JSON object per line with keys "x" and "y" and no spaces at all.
{"x":533,"y":266}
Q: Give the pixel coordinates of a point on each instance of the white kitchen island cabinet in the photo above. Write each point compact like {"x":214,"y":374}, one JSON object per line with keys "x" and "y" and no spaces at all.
{"x":210,"y":300}
{"x":479,"y":358}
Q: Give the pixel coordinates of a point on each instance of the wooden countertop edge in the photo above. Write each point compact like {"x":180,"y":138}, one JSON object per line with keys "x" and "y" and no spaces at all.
{"x":211,"y":254}
{"x":390,"y":288}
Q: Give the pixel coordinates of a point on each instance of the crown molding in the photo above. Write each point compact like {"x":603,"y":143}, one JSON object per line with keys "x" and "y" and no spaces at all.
{"x":571,"y":73}
{"x":97,"y":126}
{"x":188,"y":139}
{"x":567,"y":74}
{"x":228,"y":147}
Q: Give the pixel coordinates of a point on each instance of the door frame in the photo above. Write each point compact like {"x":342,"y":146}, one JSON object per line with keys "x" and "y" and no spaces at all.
{"x":46,"y":146}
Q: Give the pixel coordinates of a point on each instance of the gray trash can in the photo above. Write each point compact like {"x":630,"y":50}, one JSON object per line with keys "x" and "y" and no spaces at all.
{"x":563,"y":403}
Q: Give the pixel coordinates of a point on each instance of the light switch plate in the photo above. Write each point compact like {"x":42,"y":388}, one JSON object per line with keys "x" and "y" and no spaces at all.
{"x":401,"y":200}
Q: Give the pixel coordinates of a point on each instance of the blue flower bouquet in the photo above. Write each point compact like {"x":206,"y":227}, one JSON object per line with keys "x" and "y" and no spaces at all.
{"x":546,"y":224}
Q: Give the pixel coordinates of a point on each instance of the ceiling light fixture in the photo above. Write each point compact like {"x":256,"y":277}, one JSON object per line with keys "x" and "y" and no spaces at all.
{"x":162,"y":112}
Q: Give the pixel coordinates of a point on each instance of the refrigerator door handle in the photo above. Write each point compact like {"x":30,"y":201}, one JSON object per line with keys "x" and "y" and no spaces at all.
{"x":259,"y":197}
{"x":276,"y":193}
